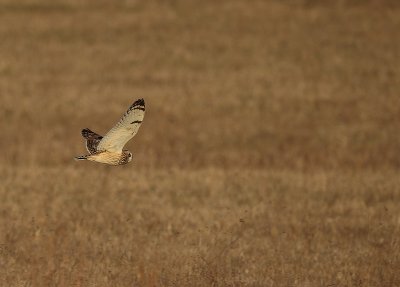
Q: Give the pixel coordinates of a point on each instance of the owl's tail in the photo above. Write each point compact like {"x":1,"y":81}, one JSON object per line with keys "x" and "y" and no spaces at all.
{"x":81,"y":157}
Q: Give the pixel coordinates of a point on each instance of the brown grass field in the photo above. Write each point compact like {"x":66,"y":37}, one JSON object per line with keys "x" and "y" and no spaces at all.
{"x":269,"y":154}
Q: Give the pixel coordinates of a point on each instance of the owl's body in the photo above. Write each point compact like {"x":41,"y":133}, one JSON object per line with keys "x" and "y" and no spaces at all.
{"x":109,"y":149}
{"x":111,"y":158}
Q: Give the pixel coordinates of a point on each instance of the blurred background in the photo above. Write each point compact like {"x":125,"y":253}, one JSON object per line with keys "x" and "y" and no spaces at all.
{"x":292,"y":84}
{"x":268,"y":156}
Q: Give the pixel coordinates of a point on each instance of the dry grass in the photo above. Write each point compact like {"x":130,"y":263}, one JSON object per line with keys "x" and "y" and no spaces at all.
{"x":269,"y":155}
{"x":108,"y":227}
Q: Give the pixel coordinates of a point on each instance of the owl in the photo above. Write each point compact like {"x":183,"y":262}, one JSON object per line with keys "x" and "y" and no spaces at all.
{"x":109,"y":149}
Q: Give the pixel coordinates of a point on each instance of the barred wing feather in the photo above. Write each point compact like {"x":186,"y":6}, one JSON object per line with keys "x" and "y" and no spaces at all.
{"x":125,"y":129}
{"x":92,"y":140}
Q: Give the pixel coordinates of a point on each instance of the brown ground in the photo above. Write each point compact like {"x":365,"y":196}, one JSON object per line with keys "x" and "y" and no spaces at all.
{"x":269,"y":154}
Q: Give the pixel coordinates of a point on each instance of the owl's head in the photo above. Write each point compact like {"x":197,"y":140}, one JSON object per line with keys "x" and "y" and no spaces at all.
{"x":127,"y":156}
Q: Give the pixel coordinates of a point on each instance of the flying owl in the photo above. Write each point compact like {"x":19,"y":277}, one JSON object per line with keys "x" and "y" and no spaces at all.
{"x":109,"y":149}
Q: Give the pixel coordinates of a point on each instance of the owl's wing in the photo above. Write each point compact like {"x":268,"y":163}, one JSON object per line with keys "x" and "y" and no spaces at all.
{"x":125,"y":129}
{"x":92,"y":140}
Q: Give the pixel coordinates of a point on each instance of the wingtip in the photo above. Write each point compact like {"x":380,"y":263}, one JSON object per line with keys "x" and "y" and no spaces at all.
{"x":85,"y":131}
{"x":139,"y":102}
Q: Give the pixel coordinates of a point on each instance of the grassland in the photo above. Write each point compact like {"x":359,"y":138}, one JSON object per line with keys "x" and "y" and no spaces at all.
{"x":269,"y":155}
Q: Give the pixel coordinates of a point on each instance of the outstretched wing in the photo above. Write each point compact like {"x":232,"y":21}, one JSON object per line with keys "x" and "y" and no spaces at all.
{"x":92,"y":140}
{"x":125,"y":129}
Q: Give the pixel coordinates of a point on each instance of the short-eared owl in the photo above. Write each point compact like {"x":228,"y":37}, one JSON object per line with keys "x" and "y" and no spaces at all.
{"x":109,"y":149}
